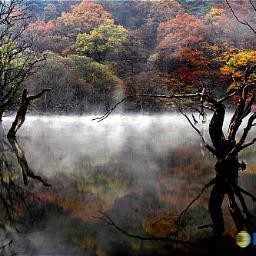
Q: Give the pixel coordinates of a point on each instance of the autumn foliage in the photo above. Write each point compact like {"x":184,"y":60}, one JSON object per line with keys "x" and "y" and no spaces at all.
{"x":150,"y":46}
{"x":181,"y":41}
{"x":82,"y":18}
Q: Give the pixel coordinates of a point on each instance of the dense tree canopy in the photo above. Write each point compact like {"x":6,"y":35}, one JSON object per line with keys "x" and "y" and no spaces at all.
{"x":82,"y":18}
{"x":78,"y":84}
{"x":237,"y":65}
{"x":16,"y":56}
{"x":179,"y":44}
{"x":142,"y":54}
{"x":107,"y":39}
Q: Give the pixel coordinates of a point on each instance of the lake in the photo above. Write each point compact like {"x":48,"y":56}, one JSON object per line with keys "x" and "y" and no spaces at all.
{"x":139,"y":170}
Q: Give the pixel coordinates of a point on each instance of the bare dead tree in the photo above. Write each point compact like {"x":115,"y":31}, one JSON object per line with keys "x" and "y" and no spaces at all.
{"x":225,"y":148}
{"x":17,"y":61}
{"x":23,"y":108}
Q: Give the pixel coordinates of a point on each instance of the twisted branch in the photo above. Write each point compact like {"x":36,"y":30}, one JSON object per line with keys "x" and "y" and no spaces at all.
{"x":110,"y":222}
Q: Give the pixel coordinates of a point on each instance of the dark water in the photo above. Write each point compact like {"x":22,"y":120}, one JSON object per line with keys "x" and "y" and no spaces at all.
{"x":141,"y":171}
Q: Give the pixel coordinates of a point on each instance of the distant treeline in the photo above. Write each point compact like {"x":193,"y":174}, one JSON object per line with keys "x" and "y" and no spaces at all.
{"x":98,"y":52}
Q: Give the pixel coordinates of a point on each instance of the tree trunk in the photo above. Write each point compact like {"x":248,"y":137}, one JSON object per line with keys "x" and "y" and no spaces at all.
{"x":20,"y":116}
{"x":22,"y":111}
{"x":1,"y":115}
{"x":226,"y":168}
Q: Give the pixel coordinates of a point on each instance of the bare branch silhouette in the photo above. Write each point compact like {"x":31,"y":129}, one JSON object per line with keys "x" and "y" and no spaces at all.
{"x":243,"y":22}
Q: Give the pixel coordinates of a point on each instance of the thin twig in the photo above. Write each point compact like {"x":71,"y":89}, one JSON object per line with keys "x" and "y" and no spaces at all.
{"x":211,"y":149}
{"x":109,"y":111}
{"x":253,"y":6}
{"x":245,"y":23}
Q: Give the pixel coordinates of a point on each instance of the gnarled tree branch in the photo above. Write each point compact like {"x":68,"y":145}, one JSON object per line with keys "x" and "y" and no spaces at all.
{"x":21,"y":113}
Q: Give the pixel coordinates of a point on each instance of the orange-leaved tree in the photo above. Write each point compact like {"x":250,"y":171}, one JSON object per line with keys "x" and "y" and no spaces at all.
{"x":82,"y":18}
{"x":181,"y":47}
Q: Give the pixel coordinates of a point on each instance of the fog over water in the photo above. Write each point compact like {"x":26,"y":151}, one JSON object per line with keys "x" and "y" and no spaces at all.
{"x":135,"y":168}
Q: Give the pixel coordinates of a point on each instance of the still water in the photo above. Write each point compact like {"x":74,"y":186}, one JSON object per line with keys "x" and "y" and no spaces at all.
{"x":139,"y":170}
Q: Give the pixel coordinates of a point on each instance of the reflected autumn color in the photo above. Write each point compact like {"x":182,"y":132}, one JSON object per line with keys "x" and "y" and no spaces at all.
{"x":16,"y":197}
{"x":128,"y":183}
{"x":133,"y":174}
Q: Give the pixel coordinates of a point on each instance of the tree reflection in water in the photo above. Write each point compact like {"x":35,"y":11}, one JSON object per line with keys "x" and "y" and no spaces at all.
{"x":141,"y":183}
{"x":15,"y":194}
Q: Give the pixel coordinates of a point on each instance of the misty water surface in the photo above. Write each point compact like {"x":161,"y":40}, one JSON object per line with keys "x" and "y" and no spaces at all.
{"x":140,"y":170}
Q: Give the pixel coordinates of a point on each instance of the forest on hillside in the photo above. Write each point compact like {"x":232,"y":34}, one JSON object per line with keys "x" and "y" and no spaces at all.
{"x":174,"y":173}
{"x":97,"y":52}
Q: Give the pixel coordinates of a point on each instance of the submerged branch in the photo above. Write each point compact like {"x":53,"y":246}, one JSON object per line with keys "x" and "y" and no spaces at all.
{"x":26,"y":171}
{"x":144,"y":238}
{"x":209,"y":184}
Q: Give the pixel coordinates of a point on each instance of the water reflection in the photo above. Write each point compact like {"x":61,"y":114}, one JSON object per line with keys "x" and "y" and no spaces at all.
{"x":140,"y":170}
{"x":16,"y":198}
